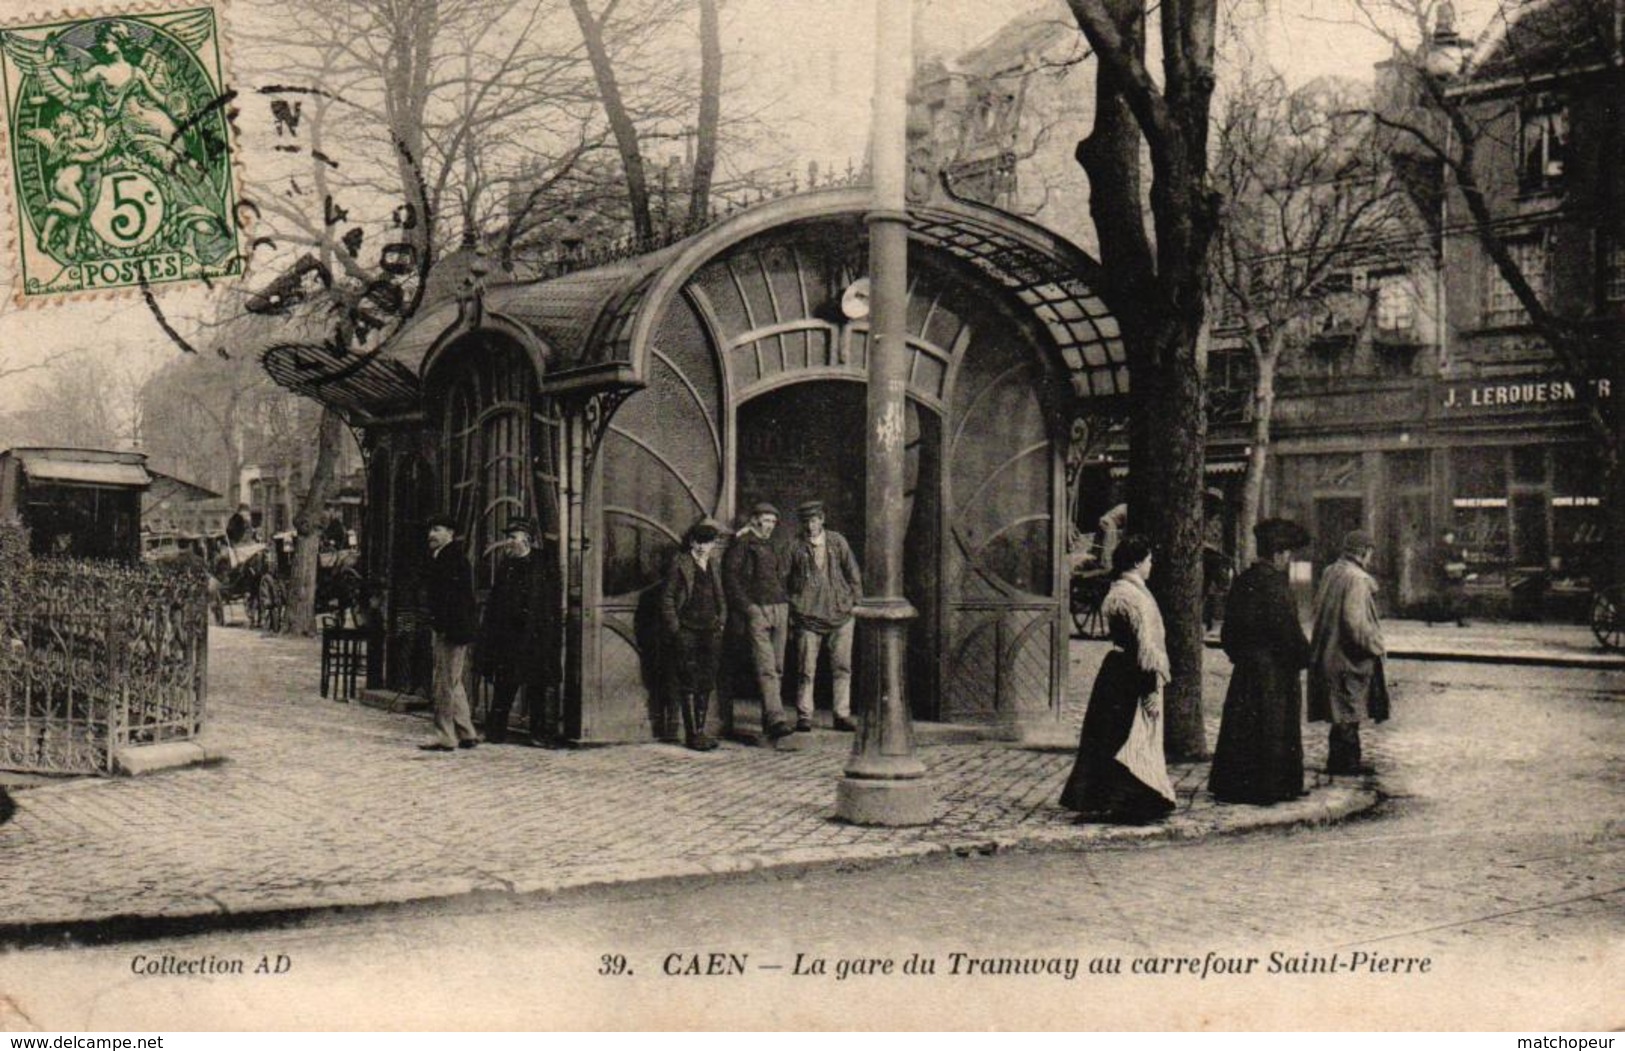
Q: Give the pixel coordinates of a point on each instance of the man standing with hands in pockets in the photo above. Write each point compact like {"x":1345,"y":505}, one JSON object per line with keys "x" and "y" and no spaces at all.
{"x":754,"y":574}
{"x":825,"y":583}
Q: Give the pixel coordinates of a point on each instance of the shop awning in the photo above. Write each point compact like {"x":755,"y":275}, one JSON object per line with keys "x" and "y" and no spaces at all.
{"x":85,"y":472}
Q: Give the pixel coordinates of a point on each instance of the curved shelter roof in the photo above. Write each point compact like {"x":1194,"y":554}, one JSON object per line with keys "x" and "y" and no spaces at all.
{"x":594,"y":328}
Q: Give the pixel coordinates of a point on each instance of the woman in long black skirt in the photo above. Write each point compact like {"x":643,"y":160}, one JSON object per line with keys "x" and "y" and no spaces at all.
{"x":1120,"y":775}
{"x":1260,"y":754}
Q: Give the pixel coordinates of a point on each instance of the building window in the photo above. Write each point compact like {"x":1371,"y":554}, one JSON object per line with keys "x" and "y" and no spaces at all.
{"x":1501,"y":306}
{"x":1396,"y":305}
{"x":1543,"y":145}
{"x":1613,"y":274}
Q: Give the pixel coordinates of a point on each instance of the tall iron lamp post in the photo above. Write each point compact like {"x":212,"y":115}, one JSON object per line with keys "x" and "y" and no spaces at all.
{"x":884,"y":782}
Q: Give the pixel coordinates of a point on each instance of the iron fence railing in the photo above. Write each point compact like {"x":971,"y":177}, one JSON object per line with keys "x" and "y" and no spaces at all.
{"x":96,"y":658}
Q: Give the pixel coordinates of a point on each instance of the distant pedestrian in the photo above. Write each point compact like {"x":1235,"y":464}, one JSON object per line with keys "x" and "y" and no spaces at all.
{"x":754,"y":573}
{"x":693,"y":609}
{"x":516,"y":648}
{"x":8,"y":806}
{"x":1345,"y":658}
{"x":1112,"y":524}
{"x":449,"y":583}
{"x":1120,"y":774}
{"x":1449,"y":581}
{"x":1259,"y":758}
{"x":335,"y":537}
{"x":239,"y":525}
{"x":825,"y":584}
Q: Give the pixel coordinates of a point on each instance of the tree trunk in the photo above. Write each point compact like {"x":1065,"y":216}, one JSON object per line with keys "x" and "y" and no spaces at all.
{"x":620,"y":121}
{"x":705,"y":150}
{"x":1252,"y":484}
{"x":301,"y":618}
{"x":1167,"y":438}
{"x":1157,"y":296}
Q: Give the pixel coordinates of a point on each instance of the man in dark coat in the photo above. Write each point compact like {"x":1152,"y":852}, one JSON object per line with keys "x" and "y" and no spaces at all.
{"x":693,"y":610}
{"x":1449,"y":581}
{"x":448,"y":582}
{"x":1260,"y":754}
{"x":239,"y":525}
{"x":335,"y":536}
{"x":516,"y":646}
{"x":754,"y":572}
{"x":1345,"y":654}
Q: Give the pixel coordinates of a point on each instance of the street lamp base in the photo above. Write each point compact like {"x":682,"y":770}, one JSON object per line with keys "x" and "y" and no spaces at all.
{"x":895,"y":804}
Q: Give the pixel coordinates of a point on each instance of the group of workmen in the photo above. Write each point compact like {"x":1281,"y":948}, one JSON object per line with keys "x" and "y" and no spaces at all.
{"x":774,"y":594}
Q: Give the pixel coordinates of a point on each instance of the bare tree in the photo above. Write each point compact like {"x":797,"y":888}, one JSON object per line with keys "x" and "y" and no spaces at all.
{"x":199,"y":410}
{"x":86,"y":402}
{"x":617,"y":48}
{"x":1308,"y":195}
{"x":1154,"y":244}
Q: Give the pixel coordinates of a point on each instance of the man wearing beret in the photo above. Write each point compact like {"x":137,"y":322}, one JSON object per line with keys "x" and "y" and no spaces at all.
{"x":448,"y":582}
{"x":754,"y":573}
{"x":516,"y":647}
{"x":825,"y":583}
{"x":1345,"y":654}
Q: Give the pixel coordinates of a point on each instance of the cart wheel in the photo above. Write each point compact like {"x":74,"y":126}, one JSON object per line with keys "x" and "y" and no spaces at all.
{"x":1608,"y":617}
{"x":1088,"y":622}
{"x":270,"y":604}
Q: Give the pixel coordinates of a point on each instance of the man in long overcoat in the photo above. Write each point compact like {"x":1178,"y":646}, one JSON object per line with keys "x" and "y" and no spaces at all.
{"x":1345,"y":662}
{"x":517,"y":646}
{"x":448,"y":583}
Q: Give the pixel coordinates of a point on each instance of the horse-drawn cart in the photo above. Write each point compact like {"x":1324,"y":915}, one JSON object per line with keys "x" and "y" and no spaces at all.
{"x":1608,"y":616}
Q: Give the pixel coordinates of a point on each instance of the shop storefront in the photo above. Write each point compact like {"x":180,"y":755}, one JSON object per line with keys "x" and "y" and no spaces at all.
{"x":1507,"y":464}
{"x":1525,"y":490}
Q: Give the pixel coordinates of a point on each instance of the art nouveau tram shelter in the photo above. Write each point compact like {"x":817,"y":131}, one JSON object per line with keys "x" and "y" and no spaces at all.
{"x":617,"y":405}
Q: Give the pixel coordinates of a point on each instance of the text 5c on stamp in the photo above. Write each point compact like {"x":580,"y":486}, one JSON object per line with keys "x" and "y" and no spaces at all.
{"x":118,"y":144}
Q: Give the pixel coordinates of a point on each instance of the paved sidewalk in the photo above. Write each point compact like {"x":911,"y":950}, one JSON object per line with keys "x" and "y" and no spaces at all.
{"x":1494,"y":642}
{"x":324,"y":804}
{"x":1500,"y":642}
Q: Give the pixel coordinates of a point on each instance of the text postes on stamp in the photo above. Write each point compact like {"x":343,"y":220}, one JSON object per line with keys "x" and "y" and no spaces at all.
{"x":119,"y":151}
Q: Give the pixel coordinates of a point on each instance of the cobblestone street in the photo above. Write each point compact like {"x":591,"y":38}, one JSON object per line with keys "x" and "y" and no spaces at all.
{"x":322,"y":803}
{"x":1495,"y":855}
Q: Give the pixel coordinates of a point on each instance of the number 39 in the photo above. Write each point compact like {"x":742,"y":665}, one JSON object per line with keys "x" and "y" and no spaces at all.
{"x":612,"y":964}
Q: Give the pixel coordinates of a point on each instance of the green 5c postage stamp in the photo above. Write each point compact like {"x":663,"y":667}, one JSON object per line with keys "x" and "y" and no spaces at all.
{"x":118,"y":144}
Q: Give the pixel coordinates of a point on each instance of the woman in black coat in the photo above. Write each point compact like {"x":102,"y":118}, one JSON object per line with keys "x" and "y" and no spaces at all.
{"x":1260,"y":754}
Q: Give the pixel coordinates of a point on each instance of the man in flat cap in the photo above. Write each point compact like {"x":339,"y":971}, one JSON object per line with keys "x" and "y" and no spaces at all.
{"x":694,"y":608}
{"x":825,"y":584}
{"x":1259,"y":758}
{"x":1345,"y":654}
{"x":517,"y":647}
{"x":448,"y":582}
{"x":753,"y":572}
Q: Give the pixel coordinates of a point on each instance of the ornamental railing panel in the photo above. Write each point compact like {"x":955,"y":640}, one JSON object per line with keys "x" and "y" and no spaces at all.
{"x":94,"y":658}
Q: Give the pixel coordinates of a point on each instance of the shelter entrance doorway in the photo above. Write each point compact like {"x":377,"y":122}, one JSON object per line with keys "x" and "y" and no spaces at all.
{"x":806,"y":442}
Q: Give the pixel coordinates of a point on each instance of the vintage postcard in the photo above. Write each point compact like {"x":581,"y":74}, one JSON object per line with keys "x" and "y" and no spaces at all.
{"x":791,"y":515}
